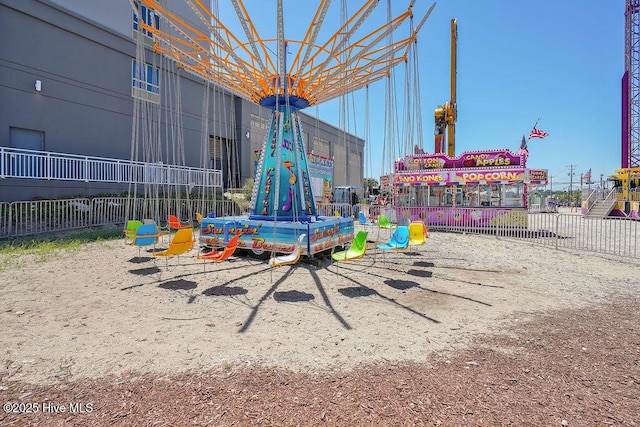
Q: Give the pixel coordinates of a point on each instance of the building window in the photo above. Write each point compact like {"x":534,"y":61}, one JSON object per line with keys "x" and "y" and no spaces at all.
{"x":26,"y":139}
{"x":321,"y":146}
{"x":145,"y":78}
{"x":145,"y":81}
{"x":148,"y":17}
{"x":30,"y":165}
{"x":258,"y":122}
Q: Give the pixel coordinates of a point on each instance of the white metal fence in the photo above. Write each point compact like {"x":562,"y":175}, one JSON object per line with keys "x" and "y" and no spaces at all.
{"x":31,"y":164}
{"x":26,"y":218}
{"x":614,"y":236}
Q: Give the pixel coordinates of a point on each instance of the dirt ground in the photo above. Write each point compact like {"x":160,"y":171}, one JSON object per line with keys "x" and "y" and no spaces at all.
{"x":466,"y":330}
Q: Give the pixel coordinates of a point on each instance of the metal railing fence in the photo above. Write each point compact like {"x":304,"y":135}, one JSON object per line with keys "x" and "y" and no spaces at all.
{"x":25,"y":218}
{"x":32,"y":164}
{"x":613,"y":236}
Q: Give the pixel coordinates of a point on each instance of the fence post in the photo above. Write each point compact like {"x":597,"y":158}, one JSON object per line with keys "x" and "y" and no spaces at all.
{"x":48,"y":166}
{"x":10,"y":222}
{"x":556,"y":229}
{"x":92,"y":215}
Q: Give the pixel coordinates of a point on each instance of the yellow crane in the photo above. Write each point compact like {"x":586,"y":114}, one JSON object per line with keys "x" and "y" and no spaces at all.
{"x":446,"y":115}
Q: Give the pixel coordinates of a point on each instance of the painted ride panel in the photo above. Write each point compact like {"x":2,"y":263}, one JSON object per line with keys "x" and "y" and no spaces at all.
{"x":259,"y":236}
{"x":282,"y":189}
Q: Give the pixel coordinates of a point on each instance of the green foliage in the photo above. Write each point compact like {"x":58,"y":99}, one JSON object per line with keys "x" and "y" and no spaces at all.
{"x":43,"y":247}
{"x":247,"y":188}
{"x":369,"y":183}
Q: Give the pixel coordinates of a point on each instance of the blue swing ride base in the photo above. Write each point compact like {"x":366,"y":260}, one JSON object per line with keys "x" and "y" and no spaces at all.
{"x":323,"y":233}
{"x":282,"y":204}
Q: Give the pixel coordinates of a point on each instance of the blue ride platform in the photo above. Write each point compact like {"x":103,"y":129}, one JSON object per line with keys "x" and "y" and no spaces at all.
{"x":259,"y":236}
{"x":282,"y":204}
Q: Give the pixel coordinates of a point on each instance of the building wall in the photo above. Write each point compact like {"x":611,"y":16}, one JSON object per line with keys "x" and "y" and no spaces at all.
{"x":346,"y":170}
{"x":105,"y":13}
{"x":82,"y":98}
{"x":82,"y":53}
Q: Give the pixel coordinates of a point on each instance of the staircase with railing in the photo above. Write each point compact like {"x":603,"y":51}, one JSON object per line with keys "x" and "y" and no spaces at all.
{"x":599,"y":204}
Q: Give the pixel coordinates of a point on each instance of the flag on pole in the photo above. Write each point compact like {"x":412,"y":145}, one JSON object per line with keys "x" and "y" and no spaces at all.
{"x":523,"y":145}
{"x":537,"y":133}
{"x":587,"y":176}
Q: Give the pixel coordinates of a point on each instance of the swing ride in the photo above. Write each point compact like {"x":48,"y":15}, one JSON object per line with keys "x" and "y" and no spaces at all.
{"x":359,"y":52}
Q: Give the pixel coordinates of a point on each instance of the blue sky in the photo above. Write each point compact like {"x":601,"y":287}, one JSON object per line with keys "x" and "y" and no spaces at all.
{"x":560,"y":61}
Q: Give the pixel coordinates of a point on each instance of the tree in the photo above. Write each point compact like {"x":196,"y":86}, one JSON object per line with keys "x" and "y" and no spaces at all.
{"x":369,"y":183}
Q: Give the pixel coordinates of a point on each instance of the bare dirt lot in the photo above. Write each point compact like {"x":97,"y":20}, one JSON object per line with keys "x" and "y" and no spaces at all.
{"x":467,"y":330}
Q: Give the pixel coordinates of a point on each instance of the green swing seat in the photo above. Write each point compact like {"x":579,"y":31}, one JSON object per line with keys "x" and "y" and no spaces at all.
{"x":356,"y":250}
{"x":383,"y":221}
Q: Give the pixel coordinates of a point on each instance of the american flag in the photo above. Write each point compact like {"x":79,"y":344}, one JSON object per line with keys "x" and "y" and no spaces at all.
{"x":587,"y":176}
{"x":537,"y":133}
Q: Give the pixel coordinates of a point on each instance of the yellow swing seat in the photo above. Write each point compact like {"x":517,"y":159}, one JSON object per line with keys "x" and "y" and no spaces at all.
{"x":181,"y":243}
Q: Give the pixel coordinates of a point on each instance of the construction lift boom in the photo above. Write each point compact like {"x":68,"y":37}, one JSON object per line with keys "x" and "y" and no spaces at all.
{"x":446,"y":115}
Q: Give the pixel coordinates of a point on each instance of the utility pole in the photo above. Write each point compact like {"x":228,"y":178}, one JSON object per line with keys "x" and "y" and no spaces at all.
{"x":571,"y":167}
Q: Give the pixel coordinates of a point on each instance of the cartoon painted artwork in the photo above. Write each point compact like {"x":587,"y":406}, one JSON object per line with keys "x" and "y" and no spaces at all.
{"x":282,"y":170}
